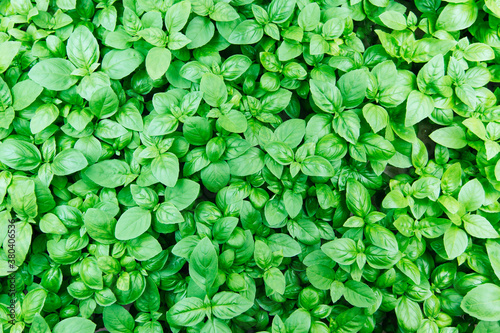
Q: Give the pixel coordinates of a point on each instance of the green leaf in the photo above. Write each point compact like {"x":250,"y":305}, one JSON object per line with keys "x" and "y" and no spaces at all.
{"x":277,"y":101}
{"x":214,"y":90}
{"x":381,"y":237}
{"x":275,"y":212}
{"x":53,"y":74}
{"x":187,"y":312}
{"x":104,"y":103}
{"x":19,"y":155}
{"x":223,"y":228}
{"x":479,"y":52}
{"x":150,"y":298}
{"x":143,"y":247}
{"x":305,"y":231}
{"x":8,"y":51}
{"x":223,"y":12}
{"x":235,"y":66}
{"x":298,"y":321}
{"x":247,"y":32}
{"x":476,"y":126}
{"x":457,"y":16}
{"x":320,"y":276}
{"x":483,"y":302}
{"x":183,"y":194}
{"x":215,"y":326}
{"x":376,"y":116}
{"x":157,"y":62}
{"x":177,"y":16}
{"x":309,"y":17}
{"x":74,"y":324}
{"x":228,"y":305}
{"x":409,"y":314}
{"x":281,"y":10}
{"x":359,"y":294}
{"x":357,"y":198}
{"x":347,"y":124}
{"x":91,"y":274}
{"x":472,"y":195}
{"x":431,"y":72}
{"x":33,"y":303}
{"x":68,"y":161}
{"x":24,"y":93}
{"x":234,"y":121}
{"x":252,"y":161}
{"x":216,"y":176}
{"x":408,"y":268}
{"x":39,"y":325}
{"x":100,"y":225}
{"x":352,"y":86}
{"x":293,"y":203}
{"x":199,"y":31}
{"x":450,"y":137}
{"x":109,"y":173}
{"x":280,"y":152}
{"x":44,"y":116}
{"x":479,"y":227}
{"x":326,"y":96}
{"x":317,"y":166}
{"x":167,"y":213}
{"x":455,"y":241}
{"x":337,"y":290}
{"x":291,"y":132}
{"x":275,"y":280}
{"x":285,"y":243}
{"x":394,"y":20}
{"x":120,"y":63}
{"x":418,"y":107}
{"x":487,"y":327}
{"x":197,"y":130}
{"x":154,"y":36}
{"x":494,"y":6}
{"x":493,"y":249}
{"x":202,"y":7}
{"x":377,"y":148}
{"x":203,"y":264}
{"x":117,"y":319}
{"x":82,"y":48}
{"x":426,"y":6}
{"x":432,"y":227}
{"x":341,"y":250}
{"x":165,"y":168}
{"x":162,"y":124}
{"x":133,"y":223}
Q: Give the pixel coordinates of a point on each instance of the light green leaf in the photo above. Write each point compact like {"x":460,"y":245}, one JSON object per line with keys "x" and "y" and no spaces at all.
{"x":157,"y":62}
{"x":133,"y":223}
{"x":54,"y":74}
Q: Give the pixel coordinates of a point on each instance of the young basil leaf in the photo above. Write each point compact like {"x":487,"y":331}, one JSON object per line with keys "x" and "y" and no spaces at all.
{"x":482,"y":302}
{"x":188,"y":312}
{"x":75,"y":324}
{"x":133,"y":223}
{"x":120,"y":63}
{"x":82,"y":48}
{"x":227,"y":305}
{"x":19,"y":155}
{"x":203,"y":264}
{"x":54,"y":74}
{"x":68,"y":161}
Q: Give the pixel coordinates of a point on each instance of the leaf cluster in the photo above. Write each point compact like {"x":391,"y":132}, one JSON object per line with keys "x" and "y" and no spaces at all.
{"x":223,"y":166}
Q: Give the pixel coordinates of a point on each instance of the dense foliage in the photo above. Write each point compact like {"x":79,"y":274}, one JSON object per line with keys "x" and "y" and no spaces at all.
{"x":287,"y":166}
